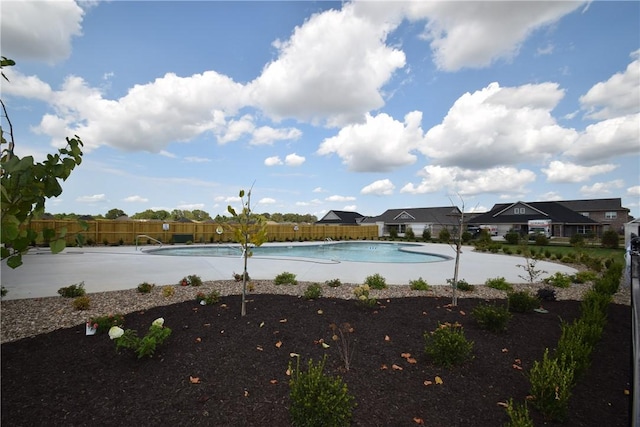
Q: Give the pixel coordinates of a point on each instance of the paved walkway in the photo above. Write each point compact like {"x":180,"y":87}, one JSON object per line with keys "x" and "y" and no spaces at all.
{"x":124,"y":267}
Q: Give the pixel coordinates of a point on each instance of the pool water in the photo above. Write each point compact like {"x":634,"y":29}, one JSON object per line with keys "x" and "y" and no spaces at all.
{"x":341,"y":251}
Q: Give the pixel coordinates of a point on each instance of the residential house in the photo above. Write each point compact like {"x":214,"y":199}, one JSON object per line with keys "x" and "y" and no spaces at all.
{"x":340,"y":218}
{"x":417,"y":219}
{"x":608,"y":212}
{"x":565,"y":222}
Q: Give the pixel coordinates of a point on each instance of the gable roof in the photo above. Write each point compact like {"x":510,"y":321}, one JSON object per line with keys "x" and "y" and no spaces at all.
{"x":447,"y":215}
{"x":592,"y":205}
{"x":554,"y":211}
{"x":341,"y":217}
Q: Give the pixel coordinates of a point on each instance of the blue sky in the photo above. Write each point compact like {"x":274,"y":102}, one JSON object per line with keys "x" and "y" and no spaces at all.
{"x":324,"y":106}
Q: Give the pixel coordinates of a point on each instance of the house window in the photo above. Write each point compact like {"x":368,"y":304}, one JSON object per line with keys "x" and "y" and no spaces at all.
{"x":610,"y":215}
{"x":519,"y":211}
{"x":585,"y":214}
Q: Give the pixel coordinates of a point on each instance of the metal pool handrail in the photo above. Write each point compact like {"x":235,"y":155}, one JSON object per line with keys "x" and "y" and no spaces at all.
{"x":148,"y":237}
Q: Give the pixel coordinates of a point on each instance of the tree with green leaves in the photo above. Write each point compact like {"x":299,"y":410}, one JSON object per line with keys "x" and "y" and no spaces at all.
{"x":115,"y":213}
{"x":25,"y":185}
{"x":249,"y":230}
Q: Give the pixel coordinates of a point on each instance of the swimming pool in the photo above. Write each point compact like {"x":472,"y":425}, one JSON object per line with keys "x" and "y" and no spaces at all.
{"x":333,"y":251}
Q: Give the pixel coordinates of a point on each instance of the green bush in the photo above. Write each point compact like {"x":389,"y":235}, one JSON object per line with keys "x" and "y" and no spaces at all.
{"x":541,"y":240}
{"x":610,"y":239}
{"x":447,"y":346}
{"x":334,"y":283}
{"x":145,"y":288}
{"x":426,"y":234}
{"x":444,"y":235}
{"x":491,"y":317}
{"x":104,"y":323}
{"x":211,"y":298}
{"x":523,"y":302}
{"x":577,"y":240}
{"x":376,"y":281}
{"x":3,"y":291}
{"x":507,"y":250}
{"x":285,"y":278}
{"x":559,"y":280}
{"x":72,"y":291}
{"x":512,"y":237}
{"x":82,"y":303}
{"x":318,"y":400}
{"x":518,"y":415}
{"x":419,"y":285}
{"x":194,"y":280}
{"x":551,"y":383}
{"x":144,"y":346}
{"x":409,"y":234}
{"x":238,"y":277}
{"x":584,"y":276}
{"x":499,"y":283}
{"x":576,"y":344}
{"x":462,"y":285}
{"x":362,"y":296}
{"x":313,"y":291}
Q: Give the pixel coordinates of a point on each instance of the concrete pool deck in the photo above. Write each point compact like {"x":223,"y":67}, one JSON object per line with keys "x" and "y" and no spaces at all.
{"x":125,"y":267}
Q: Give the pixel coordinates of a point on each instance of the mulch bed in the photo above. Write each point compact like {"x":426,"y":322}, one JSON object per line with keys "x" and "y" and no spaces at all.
{"x":240,"y":363}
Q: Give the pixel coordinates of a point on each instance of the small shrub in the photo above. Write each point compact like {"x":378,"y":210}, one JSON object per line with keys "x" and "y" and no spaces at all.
{"x":584,"y":276}
{"x":546,"y":294}
{"x":211,"y":298}
{"x":409,"y":234}
{"x":447,"y":346}
{"x":507,"y":250}
{"x":426,"y":234}
{"x":419,"y":285}
{"x":444,"y":235}
{"x":523,"y":302}
{"x":72,"y":291}
{"x":285,"y":278}
{"x":512,"y":237}
{"x":144,"y":346}
{"x":317,"y":399}
{"x":194,"y":280}
{"x":541,"y":240}
{"x":334,"y":283}
{"x":313,"y":291}
{"x":376,"y":281}
{"x":362,"y":296}
{"x":577,"y":240}
{"x":610,"y":239}
{"x":82,"y":303}
{"x":168,"y":291}
{"x":499,"y":283}
{"x":145,"y":288}
{"x":491,"y":317}
{"x":559,"y":280}
{"x":576,"y":344}
{"x":104,"y":323}
{"x":238,"y":277}
{"x":518,"y":415}
{"x":551,"y":383}
{"x":3,"y":291}
{"x":462,"y":285}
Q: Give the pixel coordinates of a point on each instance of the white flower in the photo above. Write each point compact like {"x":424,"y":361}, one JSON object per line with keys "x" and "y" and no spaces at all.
{"x":115,"y":332}
{"x":158,"y":322}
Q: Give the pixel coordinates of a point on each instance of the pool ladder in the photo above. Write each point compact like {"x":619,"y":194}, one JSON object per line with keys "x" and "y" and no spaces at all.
{"x":148,"y":238}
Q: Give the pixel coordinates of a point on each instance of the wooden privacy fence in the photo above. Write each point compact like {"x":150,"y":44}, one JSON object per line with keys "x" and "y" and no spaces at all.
{"x":107,"y":232}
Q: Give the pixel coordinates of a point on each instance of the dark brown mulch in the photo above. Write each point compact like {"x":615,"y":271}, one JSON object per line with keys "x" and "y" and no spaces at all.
{"x":65,"y":378}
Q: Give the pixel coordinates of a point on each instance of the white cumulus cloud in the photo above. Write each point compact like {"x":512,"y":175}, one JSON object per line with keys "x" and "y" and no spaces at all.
{"x":569,"y":172}
{"x":382,"y":187}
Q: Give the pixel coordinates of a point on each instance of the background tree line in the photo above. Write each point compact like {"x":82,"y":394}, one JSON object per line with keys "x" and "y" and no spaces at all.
{"x":179,"y":214}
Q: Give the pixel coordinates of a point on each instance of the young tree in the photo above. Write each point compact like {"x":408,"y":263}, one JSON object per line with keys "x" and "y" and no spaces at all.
{"x":250,"y":230}
{"x":25,"y":185}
